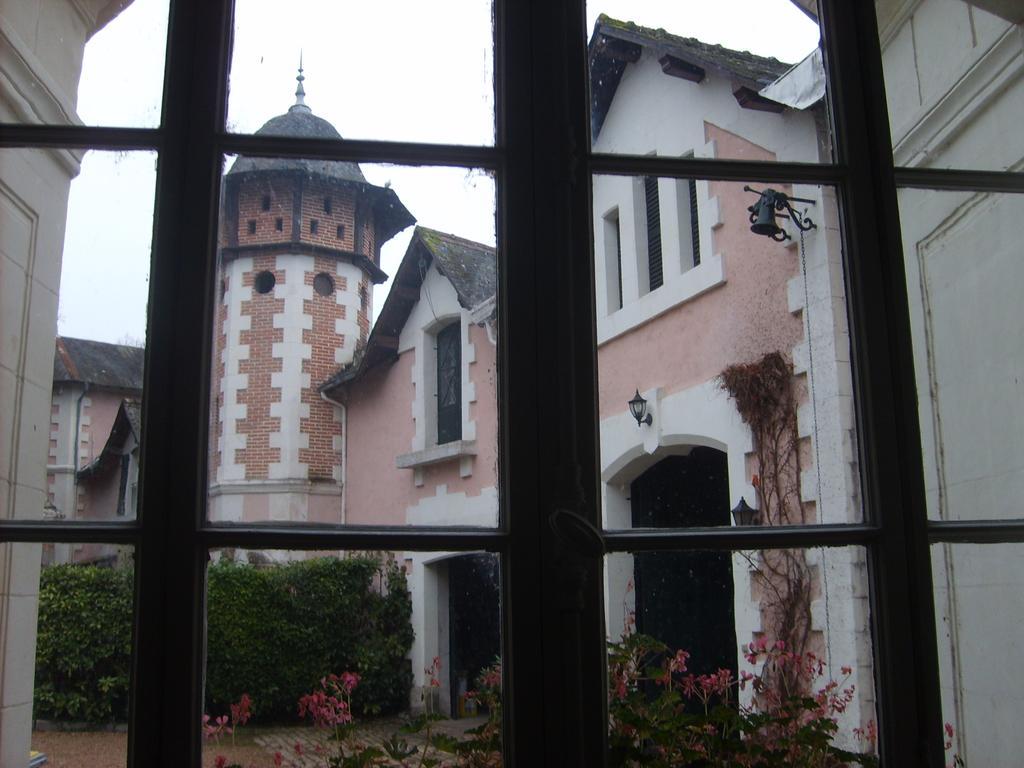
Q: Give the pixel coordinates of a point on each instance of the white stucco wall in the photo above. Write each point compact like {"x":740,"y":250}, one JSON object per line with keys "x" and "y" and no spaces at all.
{"x":674,"y":111}
{"x":955,"y":79}
{"x":41,"y":46}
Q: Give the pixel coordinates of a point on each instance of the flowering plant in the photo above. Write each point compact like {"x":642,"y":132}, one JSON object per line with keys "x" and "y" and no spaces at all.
{"x":216,"y":727}
{"x":662,"y":715}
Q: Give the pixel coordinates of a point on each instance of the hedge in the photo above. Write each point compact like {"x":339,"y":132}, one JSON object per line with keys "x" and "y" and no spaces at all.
{"x":84,"y":643}
{"x":272,"y":632}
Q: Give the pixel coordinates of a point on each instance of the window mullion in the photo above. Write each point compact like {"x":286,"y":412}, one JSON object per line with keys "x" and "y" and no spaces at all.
{"x":906,"y":658}
{"x":166,"y":681}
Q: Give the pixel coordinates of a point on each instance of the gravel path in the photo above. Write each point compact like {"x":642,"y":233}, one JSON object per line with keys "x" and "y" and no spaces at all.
{"x":253,"y":748}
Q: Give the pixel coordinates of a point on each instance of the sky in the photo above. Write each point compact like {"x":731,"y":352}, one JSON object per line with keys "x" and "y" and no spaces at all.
{"x":428,"y":78}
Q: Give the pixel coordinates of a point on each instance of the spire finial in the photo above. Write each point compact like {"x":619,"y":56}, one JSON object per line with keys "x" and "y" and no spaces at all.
{"x":300,"y":91}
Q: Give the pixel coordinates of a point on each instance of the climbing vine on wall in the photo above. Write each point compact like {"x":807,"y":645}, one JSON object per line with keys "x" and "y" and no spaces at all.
{"x":764,"y":394}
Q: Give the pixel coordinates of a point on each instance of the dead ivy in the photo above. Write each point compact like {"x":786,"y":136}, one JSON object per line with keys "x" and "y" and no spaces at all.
{"x":765,"y":400}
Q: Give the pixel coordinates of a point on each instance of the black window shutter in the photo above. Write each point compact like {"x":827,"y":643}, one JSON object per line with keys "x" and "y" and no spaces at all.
{"x":653,"y":231}
{"x":694,"y":223}
{"x":449,"y":384}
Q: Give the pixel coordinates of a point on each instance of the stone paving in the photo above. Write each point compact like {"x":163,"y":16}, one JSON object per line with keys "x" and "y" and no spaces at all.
{"x":315,"y":741}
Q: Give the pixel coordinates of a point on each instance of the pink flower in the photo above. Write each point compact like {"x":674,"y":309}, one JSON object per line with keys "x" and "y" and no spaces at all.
{"x":220,"y":762}
{"x":349,"y":680}
{"x":240,"y":712}
{"x":678,"y":662}
{"x":278,"y":759}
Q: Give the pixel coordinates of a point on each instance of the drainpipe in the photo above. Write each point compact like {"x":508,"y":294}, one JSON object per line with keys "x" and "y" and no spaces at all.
{"x":78,"y":444}
{"x":344,"y":448}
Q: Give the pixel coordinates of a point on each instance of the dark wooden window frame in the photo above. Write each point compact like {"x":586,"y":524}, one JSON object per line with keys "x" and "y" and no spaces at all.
{"x":551,"y":575}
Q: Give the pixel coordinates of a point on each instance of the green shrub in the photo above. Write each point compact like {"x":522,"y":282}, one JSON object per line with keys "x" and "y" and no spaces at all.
{"x":274,"y":632}
{"x":83,"y":648}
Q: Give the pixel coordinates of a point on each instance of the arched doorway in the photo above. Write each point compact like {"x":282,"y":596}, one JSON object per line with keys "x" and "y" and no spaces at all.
{"x":685,"y":599}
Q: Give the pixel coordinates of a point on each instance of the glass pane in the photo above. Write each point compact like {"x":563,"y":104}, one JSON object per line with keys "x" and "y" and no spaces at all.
{"x":400,"y":657}
{"x":92,"y":63}
{"x":397,"y":70}
{"x":732,"y":347}
{"x":325,"y":401}
{"x":962,"y":254}
{"x":979,"y":604}
{"x":66,"y":640}
{"x":952,"y":78}
{"x":705,"y":85}
{"x":74,"y":273}
{"x":704,"y":645}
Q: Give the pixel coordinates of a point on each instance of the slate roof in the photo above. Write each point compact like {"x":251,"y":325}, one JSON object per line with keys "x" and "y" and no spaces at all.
{"x":298,"y":121}
{"x":390,"y":214}
{"x":98,"y":363}
{"x":742,"y":67}
{"x":471,"y":268}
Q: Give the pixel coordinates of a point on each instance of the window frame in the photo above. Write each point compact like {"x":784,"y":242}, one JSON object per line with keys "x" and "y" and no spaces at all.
{"x":555,"y":687}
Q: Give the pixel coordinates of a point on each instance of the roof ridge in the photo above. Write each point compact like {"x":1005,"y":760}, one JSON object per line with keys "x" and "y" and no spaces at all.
{"x":457,"y":238}
{"x":661,"y":33}
{"x":97,"y":341}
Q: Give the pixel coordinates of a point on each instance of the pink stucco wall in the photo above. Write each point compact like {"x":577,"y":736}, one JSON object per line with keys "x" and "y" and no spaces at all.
{"x":97,"y":498}
{"x":101,"y":411}
{"x":381,"y":427}
{"x":738,"y":321}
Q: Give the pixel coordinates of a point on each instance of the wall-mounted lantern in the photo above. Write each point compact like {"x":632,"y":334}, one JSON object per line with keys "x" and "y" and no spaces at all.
{"x":744,"y":514}
{"x":638,"y":407}
{"x":772,"y":202}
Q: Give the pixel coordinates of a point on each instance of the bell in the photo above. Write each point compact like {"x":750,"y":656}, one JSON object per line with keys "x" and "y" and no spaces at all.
{"x":762,"y":218}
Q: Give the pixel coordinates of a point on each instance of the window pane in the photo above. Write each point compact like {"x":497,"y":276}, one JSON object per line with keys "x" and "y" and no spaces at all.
{"x":66,"y":635}
{"x":963,"y":264}
{"x":952,"y":78}
{"x":705,"y":85}
{"x":756,"y":629}
{"x":74,"y":274}
{"x":388,"y":639}
{"x":367,"y":398}
{"x":979,"y":603}
{"x":92,"y":63}
{"x":398,"y":70}
{"x":736,"y":362}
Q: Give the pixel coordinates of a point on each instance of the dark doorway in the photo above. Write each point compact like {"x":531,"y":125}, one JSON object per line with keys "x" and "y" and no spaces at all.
{"x":474,"y":639}
{"x":685,"y":599}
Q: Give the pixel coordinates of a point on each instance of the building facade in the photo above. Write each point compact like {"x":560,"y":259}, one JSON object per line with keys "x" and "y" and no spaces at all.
{"x":41,"y":49}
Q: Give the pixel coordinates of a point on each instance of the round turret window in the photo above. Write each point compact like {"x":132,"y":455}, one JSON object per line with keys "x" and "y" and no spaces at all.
{"x":264,"y":282}
{"x":323,"y":284}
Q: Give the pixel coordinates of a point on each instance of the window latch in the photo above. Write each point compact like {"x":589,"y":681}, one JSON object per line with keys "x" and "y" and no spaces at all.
{"x":577,"y":533}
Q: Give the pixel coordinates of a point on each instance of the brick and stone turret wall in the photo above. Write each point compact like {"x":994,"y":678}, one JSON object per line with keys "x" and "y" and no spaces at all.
{"x":275,"y":443}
